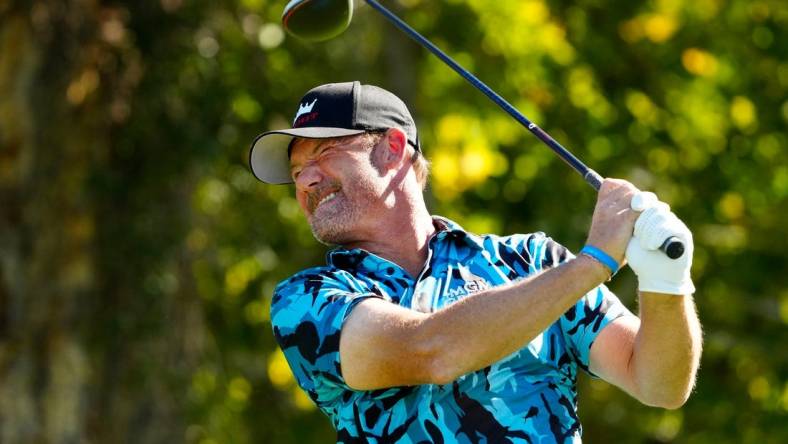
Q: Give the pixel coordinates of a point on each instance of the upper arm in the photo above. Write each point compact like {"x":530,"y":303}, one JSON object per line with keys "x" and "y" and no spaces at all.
{"x":611,"y":353}
{"x":380,"y":347}
{"x":308,"y":312}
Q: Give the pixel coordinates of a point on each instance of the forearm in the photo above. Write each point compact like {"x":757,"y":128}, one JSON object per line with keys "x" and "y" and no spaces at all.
{"x":667,"y":349}
{"x":484,"y":328}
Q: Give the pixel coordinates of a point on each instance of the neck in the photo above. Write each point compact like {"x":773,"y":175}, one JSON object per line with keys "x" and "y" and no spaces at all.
{"x":400,"y":236}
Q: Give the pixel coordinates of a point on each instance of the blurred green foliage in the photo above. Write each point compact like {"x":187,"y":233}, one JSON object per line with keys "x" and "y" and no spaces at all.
{"x":685,"y":98}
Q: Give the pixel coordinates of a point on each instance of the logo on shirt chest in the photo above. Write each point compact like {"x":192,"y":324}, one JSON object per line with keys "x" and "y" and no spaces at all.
{"x":434,"y":293}
{"x":461,"y":282}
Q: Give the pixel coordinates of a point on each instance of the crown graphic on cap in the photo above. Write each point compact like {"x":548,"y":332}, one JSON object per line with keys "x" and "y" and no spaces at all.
{"x":345,"y":109}
{"x":303,"y":109}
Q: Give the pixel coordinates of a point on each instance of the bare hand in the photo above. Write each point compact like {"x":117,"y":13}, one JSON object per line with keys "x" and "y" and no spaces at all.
{"x":614,"y":220}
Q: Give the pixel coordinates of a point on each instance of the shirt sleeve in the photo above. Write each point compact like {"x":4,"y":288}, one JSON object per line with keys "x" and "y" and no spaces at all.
{"x":307,"y":314}
{"x":582,"y":323}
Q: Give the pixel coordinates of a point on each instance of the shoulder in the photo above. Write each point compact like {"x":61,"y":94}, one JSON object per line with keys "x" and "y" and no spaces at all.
{"x":324,"y":274}
{"x":314,"y":281}
{"x":319,"y":292}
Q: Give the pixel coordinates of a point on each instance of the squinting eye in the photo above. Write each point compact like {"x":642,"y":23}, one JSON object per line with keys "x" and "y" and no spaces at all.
{"x":326,"y":149}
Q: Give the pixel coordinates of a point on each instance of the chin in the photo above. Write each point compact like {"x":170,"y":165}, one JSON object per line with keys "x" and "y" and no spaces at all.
{"x":338,"y":222}
{"x":331,"y":233}
{"x":330,"y":238}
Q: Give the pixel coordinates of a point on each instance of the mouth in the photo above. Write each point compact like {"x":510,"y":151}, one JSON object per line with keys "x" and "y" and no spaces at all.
{"x":327,"y":198}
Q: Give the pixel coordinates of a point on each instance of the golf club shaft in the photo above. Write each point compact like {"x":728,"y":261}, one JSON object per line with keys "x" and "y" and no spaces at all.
{"x":590,"y":176}
{"x":672,"y":246}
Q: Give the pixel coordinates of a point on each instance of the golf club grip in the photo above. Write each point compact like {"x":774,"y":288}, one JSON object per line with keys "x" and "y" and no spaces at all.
{"x":672,"y":247}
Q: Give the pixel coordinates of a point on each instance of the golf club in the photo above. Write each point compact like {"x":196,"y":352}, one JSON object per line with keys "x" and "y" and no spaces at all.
{"x":318,"y":20}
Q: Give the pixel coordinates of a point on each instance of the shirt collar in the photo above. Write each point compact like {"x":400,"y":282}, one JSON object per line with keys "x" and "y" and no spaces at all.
{"x":353,"y":259}
{"x":445,"y":224}
{"x":448,"y":229}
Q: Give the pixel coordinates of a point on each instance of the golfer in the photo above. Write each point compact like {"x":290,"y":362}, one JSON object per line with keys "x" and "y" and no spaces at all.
{"x":418,"y":331}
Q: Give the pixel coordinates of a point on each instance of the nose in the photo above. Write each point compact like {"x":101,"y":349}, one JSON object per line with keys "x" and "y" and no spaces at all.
{"x":309,"y":177}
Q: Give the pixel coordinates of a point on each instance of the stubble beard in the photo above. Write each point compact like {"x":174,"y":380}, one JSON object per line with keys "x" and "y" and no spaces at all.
{"x":332,"y":226}
{"x":335,"y":222}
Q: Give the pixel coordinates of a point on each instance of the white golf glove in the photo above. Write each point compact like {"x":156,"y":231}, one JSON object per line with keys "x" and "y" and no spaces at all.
{"x":657,"y":272}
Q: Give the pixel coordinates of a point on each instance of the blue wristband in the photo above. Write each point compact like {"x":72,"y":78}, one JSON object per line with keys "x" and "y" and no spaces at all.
{"x":601,"y":256}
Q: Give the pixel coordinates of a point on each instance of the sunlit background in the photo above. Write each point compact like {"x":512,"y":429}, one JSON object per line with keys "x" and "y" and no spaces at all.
{"x":138,"y":253}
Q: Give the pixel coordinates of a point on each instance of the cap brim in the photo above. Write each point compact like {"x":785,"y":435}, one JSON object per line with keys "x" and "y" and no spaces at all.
{"x":268,"y":155}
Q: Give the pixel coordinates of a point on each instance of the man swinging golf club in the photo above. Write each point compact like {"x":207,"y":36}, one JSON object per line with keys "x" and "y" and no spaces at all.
{"x":419,"y":331}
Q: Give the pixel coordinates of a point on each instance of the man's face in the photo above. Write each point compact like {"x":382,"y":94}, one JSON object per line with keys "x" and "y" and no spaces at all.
{"x":337,"y":187}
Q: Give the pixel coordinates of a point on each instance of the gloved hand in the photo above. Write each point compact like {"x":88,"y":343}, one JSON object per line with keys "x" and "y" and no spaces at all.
{"x":657,"y":272}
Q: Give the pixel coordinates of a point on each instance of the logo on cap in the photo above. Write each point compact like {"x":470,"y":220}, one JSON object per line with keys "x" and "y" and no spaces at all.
{"x":303,"y":108}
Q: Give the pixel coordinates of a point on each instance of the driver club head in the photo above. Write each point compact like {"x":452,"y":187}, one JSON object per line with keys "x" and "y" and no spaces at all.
{"x":317,"y":20}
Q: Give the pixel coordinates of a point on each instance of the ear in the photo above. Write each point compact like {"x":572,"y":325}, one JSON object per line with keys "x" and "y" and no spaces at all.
{"x":393,"y":151}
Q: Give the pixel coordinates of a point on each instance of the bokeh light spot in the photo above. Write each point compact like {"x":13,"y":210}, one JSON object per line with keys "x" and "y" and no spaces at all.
{"x":743,"y":112}
{"x":731,"y":205}
{"x":660,"y":27}
{"x":699,"y":62}
{"x":270,"y":36}
{"x":278,"y":371}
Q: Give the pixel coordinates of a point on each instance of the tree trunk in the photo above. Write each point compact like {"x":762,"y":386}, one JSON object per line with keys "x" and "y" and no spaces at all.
{"x":85,"y":354}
